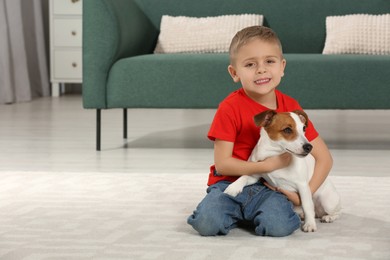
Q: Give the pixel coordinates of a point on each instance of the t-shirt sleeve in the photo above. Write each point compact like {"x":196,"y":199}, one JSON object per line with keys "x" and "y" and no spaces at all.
{"x":224,"y":125}
{"x":311,"y":132}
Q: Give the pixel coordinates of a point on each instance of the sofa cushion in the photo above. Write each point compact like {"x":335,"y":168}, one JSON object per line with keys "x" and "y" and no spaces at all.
{"x":169,"y":80}
{"x":358,"y":34}
{"x":201,"y":34}
{"x":299,"y":24}
{"x":202,"y":81}
{"x":338,"y":81}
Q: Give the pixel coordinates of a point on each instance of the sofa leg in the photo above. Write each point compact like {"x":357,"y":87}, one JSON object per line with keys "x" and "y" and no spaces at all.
{"x":98,"y":129}
{"x":125,"y":123}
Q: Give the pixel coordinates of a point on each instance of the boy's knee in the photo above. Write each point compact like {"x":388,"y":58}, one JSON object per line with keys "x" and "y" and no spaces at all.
{"x":206,"y":225}
{"x":215,"y":215}
{"x":278,"y":219}
{"x":268,"y":226}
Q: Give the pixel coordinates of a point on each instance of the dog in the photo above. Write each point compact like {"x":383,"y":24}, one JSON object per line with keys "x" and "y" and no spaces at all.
{"x":285,"y":132}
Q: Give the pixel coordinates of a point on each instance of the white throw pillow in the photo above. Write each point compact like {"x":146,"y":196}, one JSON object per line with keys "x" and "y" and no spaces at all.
{"x":201,"y":35}
{"x":358,"y":34}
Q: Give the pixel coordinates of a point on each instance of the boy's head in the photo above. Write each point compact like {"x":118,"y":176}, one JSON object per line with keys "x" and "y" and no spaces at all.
{"x":256,"y":60}
{"x":250,"y":33}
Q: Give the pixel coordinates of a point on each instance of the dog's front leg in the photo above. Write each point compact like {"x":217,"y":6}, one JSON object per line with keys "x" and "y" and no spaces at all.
{"x":308,"y":209}
{"x":236,"y":187}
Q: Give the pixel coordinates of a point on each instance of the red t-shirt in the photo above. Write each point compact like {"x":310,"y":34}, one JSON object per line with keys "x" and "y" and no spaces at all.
{"x":233,"y":122}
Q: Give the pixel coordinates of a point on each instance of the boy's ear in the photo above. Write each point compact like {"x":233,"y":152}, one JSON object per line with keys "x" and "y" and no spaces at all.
{"x":284,"y":62}
{"x":233,"y":73}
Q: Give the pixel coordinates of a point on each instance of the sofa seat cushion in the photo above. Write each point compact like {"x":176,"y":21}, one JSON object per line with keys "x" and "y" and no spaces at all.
{"x":338,"y":81}
{"x":169,"y":81}
{"x":202,"y":81}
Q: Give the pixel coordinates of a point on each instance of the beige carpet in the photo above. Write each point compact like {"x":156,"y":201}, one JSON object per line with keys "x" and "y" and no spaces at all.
{"x":143,"y":216}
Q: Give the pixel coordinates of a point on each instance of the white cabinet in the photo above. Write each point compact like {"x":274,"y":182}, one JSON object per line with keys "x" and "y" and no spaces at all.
{"x":65,"y":43}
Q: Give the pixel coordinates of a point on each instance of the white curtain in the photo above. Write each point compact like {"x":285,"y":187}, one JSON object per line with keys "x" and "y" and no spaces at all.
{"x":23,"y":60}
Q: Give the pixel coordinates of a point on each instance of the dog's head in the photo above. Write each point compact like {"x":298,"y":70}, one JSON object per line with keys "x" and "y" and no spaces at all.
{"x":286,"y":129}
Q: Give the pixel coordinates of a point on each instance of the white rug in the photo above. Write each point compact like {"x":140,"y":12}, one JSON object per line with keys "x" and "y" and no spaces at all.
{"x":143,"y":216}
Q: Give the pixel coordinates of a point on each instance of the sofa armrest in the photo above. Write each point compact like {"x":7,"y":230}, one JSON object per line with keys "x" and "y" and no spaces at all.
{"x":111,"y":30}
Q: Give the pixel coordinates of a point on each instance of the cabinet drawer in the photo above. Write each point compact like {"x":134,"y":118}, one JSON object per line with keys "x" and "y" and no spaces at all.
{"x":67,"y":7}
{"x":67,"y":64}
{"x":67,"y":32}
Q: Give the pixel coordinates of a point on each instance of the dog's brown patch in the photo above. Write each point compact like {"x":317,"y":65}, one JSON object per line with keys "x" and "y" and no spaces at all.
{"x":282,"y":126}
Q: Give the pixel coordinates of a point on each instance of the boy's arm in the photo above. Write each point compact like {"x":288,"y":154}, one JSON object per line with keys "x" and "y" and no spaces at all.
{"x":323,"y":165}
{"x":227,"y":165}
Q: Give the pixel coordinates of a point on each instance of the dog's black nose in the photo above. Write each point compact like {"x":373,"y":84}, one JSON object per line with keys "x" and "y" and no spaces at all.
{"x":307,"y":148}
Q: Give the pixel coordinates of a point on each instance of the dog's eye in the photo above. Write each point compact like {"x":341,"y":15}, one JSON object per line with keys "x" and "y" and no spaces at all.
{"x":287,"y":130}
{"x":304,"y":129}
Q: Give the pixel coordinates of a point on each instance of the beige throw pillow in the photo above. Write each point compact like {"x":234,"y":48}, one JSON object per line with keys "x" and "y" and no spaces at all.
{"x":358,"y":34}
{"x":182,"y":34}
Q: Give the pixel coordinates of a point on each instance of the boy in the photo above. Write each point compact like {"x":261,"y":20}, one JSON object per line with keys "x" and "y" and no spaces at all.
{"x":256,"y":60}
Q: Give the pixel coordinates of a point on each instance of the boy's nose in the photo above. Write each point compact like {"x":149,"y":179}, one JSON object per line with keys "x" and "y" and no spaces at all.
{"x":261,"y":70}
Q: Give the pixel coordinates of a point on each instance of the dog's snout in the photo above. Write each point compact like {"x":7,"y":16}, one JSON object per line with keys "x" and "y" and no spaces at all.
{"x":307,"y":148}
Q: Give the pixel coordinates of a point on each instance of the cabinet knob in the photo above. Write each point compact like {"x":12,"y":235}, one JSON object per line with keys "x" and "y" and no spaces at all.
{"x":74,"y":33}
{"x":75,"y":1}
{"x":74,"y":64}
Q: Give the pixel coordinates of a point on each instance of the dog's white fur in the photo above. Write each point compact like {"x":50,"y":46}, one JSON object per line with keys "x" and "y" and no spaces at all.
{"x":296,"y":176}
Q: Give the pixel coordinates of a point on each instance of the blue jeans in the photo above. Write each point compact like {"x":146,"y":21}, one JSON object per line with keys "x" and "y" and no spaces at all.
{"x":270,"y":212}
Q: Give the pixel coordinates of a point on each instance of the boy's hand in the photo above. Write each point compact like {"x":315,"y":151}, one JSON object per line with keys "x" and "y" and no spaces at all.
{"x":278,"y":162}
{"x":291,"y":196}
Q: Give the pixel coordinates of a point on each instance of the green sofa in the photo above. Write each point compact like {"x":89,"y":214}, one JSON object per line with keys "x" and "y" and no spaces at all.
{"x":121,"y":71}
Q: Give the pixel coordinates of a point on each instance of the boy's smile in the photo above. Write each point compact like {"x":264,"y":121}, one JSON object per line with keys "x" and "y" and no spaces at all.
{"x":259,"y":66}
{"x":262,"y":81}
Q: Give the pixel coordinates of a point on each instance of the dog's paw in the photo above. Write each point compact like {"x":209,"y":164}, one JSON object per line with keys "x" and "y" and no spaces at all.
{"x":309,"y":226}
{"x":329,"y":218}
{"x":233,"y":190}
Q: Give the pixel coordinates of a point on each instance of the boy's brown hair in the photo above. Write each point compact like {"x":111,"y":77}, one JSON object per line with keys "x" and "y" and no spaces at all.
{"x":249,"y":33}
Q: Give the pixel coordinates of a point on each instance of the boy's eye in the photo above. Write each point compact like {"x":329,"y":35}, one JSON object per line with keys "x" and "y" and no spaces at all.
{"x":249,"y":65}
{"x":270,"y":61}
{"x":287,"y":130}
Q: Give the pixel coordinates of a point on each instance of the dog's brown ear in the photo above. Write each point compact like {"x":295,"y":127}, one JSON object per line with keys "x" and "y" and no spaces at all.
{"x":264,"y":119}
{"x":303,"y":116}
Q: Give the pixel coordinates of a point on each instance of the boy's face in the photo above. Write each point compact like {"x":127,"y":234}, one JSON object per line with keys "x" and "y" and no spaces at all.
{"x":259,"y":66}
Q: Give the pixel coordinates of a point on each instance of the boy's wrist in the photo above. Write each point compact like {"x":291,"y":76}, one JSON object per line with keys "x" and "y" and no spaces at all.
{"x":263,"y":167}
